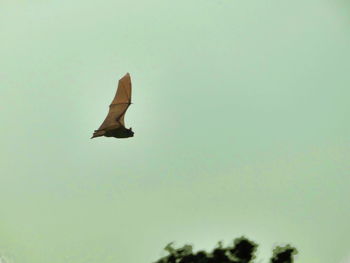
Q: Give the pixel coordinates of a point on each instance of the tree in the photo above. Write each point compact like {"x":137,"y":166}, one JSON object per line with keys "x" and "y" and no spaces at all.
{"x":242,"y":251}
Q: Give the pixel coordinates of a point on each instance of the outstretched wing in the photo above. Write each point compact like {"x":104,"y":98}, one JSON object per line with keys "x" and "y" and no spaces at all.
{"x":119,"y":105}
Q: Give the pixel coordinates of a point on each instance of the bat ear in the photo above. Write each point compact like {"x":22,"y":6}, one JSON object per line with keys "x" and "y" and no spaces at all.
{"x":130,"y":128}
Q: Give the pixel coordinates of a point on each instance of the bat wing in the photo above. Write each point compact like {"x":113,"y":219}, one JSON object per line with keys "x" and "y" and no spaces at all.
{"x":118,"y":107}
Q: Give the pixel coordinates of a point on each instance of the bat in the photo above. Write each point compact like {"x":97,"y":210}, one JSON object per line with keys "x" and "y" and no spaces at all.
{"x":113,"y":125}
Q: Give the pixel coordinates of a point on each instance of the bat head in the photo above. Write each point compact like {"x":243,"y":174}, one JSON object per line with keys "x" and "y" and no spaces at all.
{"x":130,"y":132}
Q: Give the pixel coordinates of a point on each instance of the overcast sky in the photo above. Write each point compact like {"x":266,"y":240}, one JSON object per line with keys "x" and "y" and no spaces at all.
{"x":241,"y":120}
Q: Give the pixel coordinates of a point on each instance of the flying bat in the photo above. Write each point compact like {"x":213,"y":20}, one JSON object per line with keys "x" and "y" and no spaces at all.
{"x":113,"y":125}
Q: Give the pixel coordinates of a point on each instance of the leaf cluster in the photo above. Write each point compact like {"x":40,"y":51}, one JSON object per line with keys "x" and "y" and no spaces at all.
{"x":241,"y":251}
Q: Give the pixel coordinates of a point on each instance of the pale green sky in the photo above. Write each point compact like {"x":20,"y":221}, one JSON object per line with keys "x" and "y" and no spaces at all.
{"x":241,"y":120}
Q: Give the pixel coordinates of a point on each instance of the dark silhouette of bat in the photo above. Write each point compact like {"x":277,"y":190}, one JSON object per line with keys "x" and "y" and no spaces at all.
{"x":113,"y":125}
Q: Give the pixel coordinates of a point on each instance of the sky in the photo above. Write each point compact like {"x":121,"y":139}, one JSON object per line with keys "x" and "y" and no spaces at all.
{"x":241,"y":120}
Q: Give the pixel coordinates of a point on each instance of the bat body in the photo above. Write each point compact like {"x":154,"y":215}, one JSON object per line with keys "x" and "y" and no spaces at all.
{"x":113,"y":125}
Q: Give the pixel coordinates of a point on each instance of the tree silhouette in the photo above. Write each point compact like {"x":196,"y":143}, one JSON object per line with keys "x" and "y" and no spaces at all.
{"x":242,"y":251}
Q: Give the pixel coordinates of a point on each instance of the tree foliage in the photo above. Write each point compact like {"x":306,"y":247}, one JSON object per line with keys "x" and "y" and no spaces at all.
{"x":241,"y":251}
